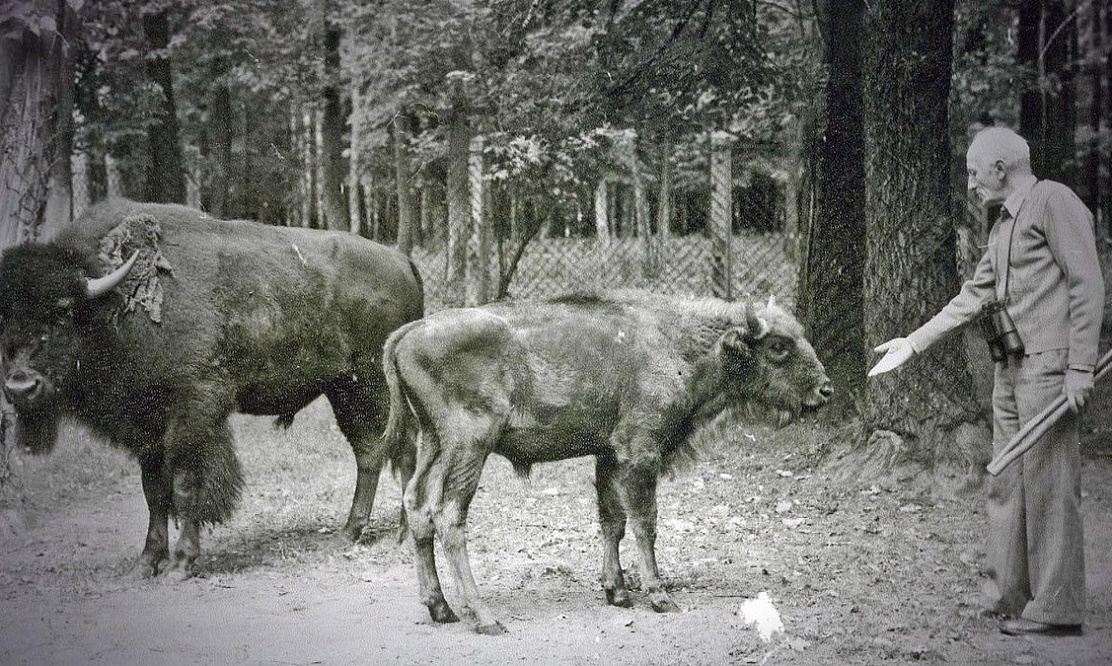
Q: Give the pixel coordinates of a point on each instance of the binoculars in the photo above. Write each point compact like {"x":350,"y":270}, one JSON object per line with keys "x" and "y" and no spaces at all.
{"x":999,"y":331}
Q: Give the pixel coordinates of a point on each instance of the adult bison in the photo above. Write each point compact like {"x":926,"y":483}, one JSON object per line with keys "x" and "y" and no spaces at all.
{"x":199,"y":318}
{"x":623,"y":377}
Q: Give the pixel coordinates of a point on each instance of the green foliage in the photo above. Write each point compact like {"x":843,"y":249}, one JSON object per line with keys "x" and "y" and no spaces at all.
{"x":564,"y":90}
{"x":987,"y":79}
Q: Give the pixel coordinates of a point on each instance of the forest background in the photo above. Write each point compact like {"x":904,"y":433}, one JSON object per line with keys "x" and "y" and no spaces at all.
{"x":842,"y":127}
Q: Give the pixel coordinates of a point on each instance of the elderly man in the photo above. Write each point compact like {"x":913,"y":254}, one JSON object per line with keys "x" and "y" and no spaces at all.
{"x":1041,"y":263}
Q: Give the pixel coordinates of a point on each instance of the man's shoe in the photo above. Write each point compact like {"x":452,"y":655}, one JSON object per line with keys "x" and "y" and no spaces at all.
{"x":1024,"y":627}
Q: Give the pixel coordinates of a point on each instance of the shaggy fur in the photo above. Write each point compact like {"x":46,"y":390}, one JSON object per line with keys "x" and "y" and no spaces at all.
{"x":252,"y":318}
{"x":624,"y":377}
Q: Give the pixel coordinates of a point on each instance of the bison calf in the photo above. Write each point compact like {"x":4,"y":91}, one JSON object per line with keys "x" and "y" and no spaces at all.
{"x":206,"y":318}
{"x":624,"y":378}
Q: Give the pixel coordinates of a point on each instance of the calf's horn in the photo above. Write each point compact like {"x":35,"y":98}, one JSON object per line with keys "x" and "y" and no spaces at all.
{"x":100,"y":286}
{"x":758,"y":327}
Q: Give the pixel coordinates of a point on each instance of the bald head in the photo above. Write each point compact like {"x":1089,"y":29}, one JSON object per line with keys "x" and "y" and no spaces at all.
{"x":1000,"y":144}
{"x":998,"y":161}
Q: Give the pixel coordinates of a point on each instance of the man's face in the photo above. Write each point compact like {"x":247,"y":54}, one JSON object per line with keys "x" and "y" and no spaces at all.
{"x":986,"y":178}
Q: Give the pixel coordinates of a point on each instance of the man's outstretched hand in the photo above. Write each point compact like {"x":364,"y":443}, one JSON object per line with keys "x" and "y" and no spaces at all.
{"x":896,"y":352}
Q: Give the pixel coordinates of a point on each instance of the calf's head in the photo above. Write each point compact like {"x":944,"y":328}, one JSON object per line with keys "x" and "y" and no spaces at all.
{"x":769,"y":361}
{"x":46,"y":303}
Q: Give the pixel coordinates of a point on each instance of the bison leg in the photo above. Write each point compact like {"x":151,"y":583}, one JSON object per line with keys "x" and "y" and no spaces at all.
{"x":418,"y":501}
{"x":613,"y":521}
{"x":158,"y":495}
{"x":357,"y":418}
{"x":188,"y":547}
{"x":464,"y":453}
{"x":207,"y":479}
{"x":639,"y":491}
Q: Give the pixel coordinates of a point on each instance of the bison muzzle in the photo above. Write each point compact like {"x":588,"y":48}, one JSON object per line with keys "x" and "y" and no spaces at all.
{"x":624,"y":377}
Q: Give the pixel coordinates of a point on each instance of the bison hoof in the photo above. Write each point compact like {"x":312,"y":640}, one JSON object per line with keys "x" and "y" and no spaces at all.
{"x":493,"y":629}
{"x":441,"y":612}
{"x":142,"y":570}
{"x":351,"y":533}
{"x":619,"y":598}
{"x":182,"y":569}
{"x":665,"y":605}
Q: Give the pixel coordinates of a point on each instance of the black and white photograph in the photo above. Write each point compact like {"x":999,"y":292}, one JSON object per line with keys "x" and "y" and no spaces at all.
{"x":555,"y":332}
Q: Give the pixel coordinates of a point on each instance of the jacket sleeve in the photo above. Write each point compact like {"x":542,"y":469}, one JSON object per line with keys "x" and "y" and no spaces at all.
{"x":1072,"y":241}
{"x":962,"y":309}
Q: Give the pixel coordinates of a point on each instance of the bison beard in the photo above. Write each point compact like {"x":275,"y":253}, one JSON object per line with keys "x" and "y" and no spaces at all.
{"x":622,"y":378}
{"x":242,"y":317}
{"x":35,"y":432}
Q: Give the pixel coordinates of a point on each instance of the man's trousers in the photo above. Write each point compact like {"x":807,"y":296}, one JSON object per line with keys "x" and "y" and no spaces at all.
{"x":1036,"y":559}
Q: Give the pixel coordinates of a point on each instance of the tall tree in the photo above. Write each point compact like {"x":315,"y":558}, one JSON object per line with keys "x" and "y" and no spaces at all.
{"x":910,"y":272}
{"x":832,"y":276}
{"x":35,"y":103}
{"x":332,"y":127}
{"x":1047,"y":116}
{"x":166,"y":176}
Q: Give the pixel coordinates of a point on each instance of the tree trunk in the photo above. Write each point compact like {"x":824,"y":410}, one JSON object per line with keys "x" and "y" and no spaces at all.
{"x":1093,"y":57}
{"x":113,"y":177}
{"x":459,"y":211}
{"x":910,"y":271}
{"x":217,"y":144}
{"x":1105,"y":212}
{"x":355,"y":148}
{"x":602,"y":211}
{"x":319,"y":159}
{"x":334,"y":203}
{"x":720,"y":224}
{"x":166,"y":175}
{"x":308,"y":167}
{"x":1046,"y":109}
{"x":36,"y":92}
{"x":82,"y":183}
{"x":421,"y":231}
{"x":665,"y":207}
{"x":402,"y":177}
{"x":831,"y":302}
{"x":370,"y":204}
{"x":59,"y":202}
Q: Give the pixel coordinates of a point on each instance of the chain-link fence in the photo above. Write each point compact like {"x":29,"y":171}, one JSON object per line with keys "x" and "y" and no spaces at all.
{"x":734,"y":240}
{"x":761,"y":265}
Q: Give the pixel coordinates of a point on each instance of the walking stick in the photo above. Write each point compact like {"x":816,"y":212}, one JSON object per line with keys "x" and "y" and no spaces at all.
{"x":1037,"y":426}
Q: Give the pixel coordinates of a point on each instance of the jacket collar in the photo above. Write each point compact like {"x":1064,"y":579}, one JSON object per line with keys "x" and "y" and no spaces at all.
{"x":1015,"y":200}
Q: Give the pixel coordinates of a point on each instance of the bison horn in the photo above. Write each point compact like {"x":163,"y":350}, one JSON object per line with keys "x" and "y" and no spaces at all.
{"x":758,"y":327}
{"x":100,"y":286}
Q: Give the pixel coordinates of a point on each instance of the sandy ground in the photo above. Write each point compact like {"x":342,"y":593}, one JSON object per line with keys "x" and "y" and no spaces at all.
{"x":860,"y":576}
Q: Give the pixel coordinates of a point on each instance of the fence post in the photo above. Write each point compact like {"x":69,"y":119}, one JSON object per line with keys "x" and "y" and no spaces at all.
{"x":478,"y":279}
{"x":721,"y":210}
{"x":602,"y":210}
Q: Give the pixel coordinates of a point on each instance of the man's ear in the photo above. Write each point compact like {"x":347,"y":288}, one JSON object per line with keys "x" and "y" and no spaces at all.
{"x":1000,"y":169}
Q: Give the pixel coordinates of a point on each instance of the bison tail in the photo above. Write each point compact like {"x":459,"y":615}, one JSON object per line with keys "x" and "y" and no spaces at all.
{"x":398,"y":421}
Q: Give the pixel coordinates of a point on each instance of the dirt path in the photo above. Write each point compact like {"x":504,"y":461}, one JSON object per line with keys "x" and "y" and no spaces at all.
{"x":862,"y":576}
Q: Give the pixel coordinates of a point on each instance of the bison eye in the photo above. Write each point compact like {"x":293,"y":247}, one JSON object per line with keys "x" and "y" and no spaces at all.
{"x":779,"y":348}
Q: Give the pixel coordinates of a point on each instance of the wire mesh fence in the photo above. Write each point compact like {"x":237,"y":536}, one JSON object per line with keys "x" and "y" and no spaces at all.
{"x":762,"y":265}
